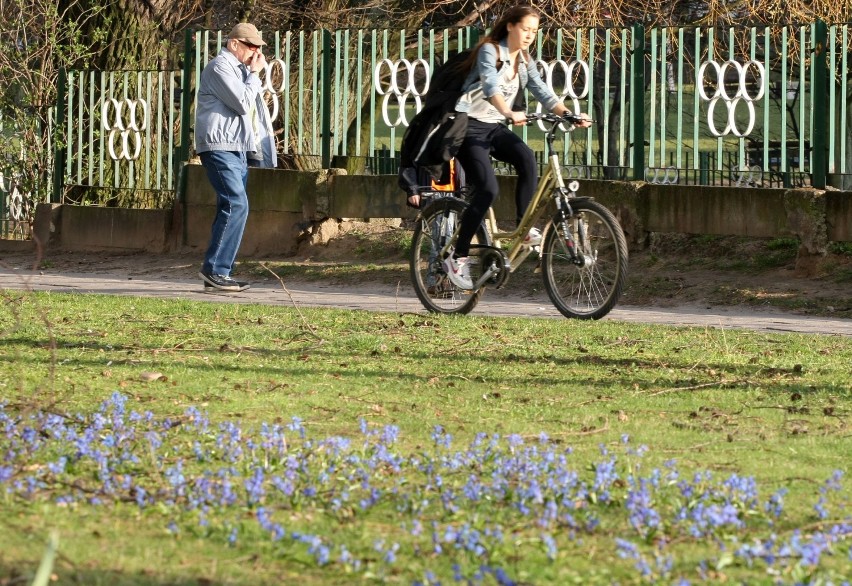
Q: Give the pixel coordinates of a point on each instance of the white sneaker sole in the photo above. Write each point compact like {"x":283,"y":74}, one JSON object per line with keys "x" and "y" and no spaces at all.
{"x":456,"y":280}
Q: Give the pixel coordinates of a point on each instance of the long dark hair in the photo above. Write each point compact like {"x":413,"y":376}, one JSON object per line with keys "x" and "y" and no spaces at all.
{"x":499,"y":32}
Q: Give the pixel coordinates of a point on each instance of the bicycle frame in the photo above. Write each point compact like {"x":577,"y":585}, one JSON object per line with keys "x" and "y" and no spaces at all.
{"x":547,"y":183}
{"x":551,"y":179}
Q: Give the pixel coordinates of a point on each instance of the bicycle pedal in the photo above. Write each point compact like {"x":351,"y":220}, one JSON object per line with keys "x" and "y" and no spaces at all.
{"x":537,"y":269}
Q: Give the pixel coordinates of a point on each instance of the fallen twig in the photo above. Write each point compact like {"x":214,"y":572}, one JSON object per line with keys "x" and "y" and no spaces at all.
{"x":293,"y":301}
{"x":696,"y":387}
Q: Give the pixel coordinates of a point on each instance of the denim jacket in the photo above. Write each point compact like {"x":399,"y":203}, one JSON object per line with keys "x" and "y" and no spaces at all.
{"x":226,"y":94}
{"x":484,"y":75}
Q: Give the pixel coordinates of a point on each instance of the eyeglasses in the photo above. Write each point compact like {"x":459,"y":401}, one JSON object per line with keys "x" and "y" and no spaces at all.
{"x":249,"y":45}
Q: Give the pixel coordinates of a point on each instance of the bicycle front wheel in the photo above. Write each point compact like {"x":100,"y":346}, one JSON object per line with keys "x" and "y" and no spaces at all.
{"x":435,"y":228}
{"x":588,"y":283}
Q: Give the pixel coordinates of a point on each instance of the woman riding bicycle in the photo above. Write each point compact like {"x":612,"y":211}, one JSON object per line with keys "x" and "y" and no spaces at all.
{"x":500,"y":70}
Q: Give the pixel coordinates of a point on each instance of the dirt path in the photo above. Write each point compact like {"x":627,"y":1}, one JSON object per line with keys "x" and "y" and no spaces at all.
{"x":673,"y":279}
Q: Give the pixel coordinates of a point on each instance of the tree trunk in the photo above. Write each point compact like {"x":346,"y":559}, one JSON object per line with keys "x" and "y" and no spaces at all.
{"x":131,"y":34}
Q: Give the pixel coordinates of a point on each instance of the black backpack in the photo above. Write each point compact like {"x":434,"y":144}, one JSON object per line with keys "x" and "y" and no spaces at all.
{"x":435,"y":133}
{"x":447,"y":80}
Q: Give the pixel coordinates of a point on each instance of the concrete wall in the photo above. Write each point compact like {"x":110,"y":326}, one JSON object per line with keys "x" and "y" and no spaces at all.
{"x":285,"y":204}
{"x":281,"y":204}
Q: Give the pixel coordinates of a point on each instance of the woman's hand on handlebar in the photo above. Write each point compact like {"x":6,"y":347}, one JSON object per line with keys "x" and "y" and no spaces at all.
{"x":516,"y":118}
{"x":581,"y":120}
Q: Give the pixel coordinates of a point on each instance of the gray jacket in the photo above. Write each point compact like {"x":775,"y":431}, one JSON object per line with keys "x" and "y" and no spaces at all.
{"x":226,"y":94}
{"x":484,"y":75}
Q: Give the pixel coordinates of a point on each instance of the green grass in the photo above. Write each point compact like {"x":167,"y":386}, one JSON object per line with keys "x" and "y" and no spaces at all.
{"x":773,"y":407}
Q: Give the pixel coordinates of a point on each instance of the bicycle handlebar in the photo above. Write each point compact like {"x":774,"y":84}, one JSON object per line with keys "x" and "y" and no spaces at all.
{"x":533,"y":117}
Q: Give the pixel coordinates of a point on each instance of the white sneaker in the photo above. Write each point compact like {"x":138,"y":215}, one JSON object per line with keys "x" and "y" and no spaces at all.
{"x":533,"y":237}
{"x":458,"y":271}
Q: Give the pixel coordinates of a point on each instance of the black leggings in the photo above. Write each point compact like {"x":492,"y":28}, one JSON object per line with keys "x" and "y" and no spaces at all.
{"x":482,"y":141}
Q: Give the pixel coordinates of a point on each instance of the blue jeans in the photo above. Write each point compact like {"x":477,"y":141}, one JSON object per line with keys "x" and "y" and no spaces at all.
{"x":228,"y":173}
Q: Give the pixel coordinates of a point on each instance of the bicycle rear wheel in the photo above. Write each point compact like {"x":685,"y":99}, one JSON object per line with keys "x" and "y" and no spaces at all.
{"x":435,"y":228}
{"x":591,"y":286}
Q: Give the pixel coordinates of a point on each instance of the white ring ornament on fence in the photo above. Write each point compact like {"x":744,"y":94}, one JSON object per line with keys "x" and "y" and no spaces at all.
{"x":268,"y":85}
{"x":117,"y":122}
{"x":393,"y":89}
{"x":731,"y":101}
{"x":749,"y":176}
{"x":117,"y":127}
{"x":575,"y":172}
{"x":274,"y":112}
{"x":568,"y":90}
{"x":125,"y":145}
{"x":401,"y":118}
{"x":662,"y":175}
{"x":18,"y":204}
{"x":411,"y":83}
{"x":731,"y":124}
{"x":568,"y":70}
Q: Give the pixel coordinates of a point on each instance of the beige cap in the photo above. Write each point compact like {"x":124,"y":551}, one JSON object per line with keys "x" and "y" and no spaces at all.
{"x":246,"y":32}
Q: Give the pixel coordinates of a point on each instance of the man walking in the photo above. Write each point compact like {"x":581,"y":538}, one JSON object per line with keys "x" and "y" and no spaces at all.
{"x":232,"y":132}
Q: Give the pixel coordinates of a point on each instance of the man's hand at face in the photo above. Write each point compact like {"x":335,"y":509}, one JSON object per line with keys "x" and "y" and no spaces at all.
{"x":257,"y":62}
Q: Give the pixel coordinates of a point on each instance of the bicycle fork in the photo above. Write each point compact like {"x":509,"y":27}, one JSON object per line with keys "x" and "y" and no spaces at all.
{"x":569,"y":240}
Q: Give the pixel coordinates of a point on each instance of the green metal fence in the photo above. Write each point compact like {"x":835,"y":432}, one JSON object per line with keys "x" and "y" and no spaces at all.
{"x":319,"y":85}
{"x":120,"y":131}
{"x":748,"y":106}
{"x":750,"y":98}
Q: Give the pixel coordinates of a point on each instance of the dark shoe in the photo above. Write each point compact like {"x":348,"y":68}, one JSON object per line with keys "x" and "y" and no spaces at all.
{"x":222,"y":283}
{"x":208,"y":287}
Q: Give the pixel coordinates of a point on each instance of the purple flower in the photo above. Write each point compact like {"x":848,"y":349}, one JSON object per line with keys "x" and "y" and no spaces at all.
{"x":550,"y":546}
{"x":254,"y":486}
{"x":390,"y":433}
{"x":6,"y":473}
{"x":441,"y":437}
{"x":296,"y":425}
{"x":775,"y":505}
{"x":639,"y":503}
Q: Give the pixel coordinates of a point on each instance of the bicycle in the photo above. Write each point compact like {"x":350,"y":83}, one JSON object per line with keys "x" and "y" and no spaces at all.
{"x":582,"y":255}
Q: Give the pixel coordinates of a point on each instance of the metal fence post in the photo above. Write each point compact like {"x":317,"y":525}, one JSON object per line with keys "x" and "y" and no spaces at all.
{"x":637,"y":100}
{"x":474,"y":36}
{"x":325,"y":107}
{"x":820,"y":92}
{"x":59,"y":145}
{"x":185,"y":130}
{"x":703,"y":168}
{"x":186,"y":97}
